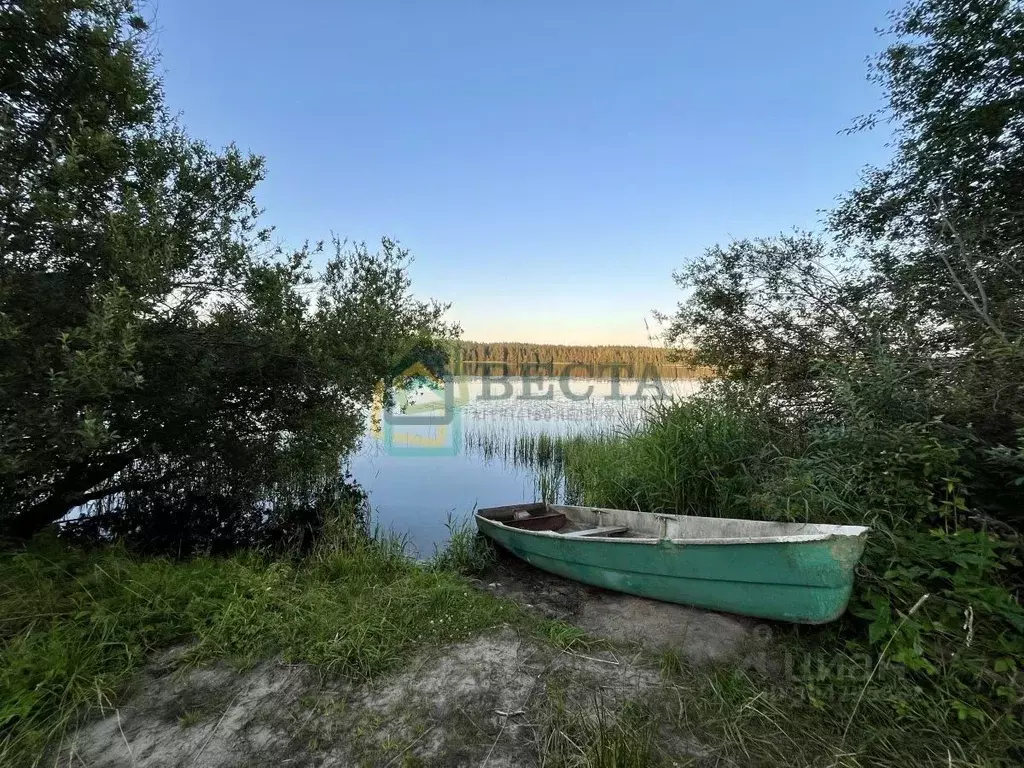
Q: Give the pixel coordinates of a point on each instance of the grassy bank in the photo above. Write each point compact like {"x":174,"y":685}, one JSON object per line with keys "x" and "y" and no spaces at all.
{"x":922,"y":670}
{"x":924,"y":666}
{"x":76,"y":626}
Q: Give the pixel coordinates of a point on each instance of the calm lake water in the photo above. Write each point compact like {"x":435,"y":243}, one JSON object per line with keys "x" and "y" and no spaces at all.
{"x":420,"y":475}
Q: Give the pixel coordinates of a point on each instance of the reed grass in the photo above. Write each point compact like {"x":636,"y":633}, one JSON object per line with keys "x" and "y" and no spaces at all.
{"x":675,"y":456}
{"x":684,"y":457}
{"x":525,"y":446}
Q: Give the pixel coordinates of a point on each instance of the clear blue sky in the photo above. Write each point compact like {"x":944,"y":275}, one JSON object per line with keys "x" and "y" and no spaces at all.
{"x":548,"y":162}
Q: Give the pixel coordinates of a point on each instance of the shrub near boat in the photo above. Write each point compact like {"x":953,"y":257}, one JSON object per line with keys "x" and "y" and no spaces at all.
{"x":798,"y":572}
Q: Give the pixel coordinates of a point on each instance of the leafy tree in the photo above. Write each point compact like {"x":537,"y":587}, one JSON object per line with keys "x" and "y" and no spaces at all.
{"x":926,"y":263}
{"x":772,"y":308}
{"x":919,"y":284}
{"x":887,"y":357}
{"x":945,"y":214}
{"x":156,"y":353}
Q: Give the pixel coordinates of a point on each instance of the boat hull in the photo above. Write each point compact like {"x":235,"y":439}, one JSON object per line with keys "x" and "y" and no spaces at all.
{"x":797,"y":581}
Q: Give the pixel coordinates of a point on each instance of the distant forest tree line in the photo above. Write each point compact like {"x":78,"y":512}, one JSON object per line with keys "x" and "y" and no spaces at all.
{"x":473,"y":358}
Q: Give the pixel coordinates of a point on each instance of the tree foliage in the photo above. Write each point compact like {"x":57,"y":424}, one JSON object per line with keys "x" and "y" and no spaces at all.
{"x":772,"y":308}
{"x":944,"y":217}
{"x":888,"y":357}
{"x":924,"y":259}
{"x":158,"y":357}
{"x":518,"y":358}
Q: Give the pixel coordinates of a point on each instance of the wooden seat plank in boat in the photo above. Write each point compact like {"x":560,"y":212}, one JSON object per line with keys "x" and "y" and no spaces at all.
{"x":534,"y":522}
{"x":604,"y":530}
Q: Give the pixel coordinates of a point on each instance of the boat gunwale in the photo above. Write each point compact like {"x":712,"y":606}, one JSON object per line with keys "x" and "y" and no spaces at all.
{"x":837,"y":532}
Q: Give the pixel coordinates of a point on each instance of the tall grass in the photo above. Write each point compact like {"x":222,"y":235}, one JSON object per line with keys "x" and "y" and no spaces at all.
{"x":522,"y":446}
{"x":467,"y":552}
{"x":538,"y":452}
{"x":721,"y":456}
{"x":681,"y":456}
{"x":687,"y":457}
{"x":599,"y":734}
{"x":811,"y":715}
{"x":77,"y":625}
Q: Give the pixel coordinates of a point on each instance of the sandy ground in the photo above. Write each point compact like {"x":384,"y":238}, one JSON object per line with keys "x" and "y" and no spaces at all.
{"x":483,"y":702}
{"x":699,"y":636}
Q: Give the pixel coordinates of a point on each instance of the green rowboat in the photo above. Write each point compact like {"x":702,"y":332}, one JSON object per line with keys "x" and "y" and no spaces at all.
{"x":799,"y":572}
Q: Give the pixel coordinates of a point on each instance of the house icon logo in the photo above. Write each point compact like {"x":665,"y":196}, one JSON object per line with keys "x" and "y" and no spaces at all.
{"x":421,"y":417}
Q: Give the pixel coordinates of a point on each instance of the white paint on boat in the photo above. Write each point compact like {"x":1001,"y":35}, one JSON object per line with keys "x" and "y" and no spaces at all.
{"x":650,"y":528}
